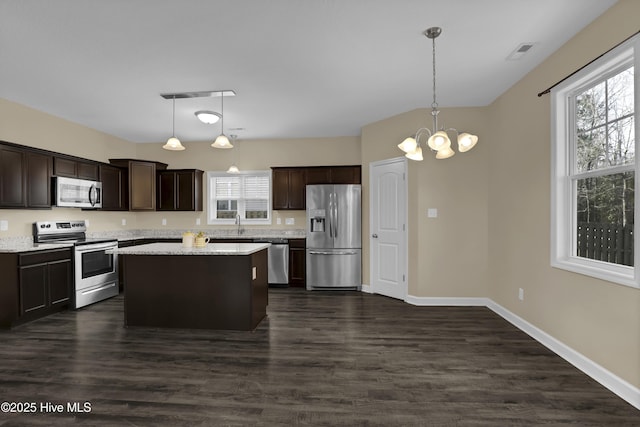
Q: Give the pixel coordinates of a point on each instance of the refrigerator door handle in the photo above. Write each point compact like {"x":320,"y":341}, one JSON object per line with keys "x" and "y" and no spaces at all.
{"x":335,"y":214}
{"x":331,"y":231}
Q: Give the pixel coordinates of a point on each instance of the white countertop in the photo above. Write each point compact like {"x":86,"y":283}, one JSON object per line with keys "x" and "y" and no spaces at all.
{"x":178,"y":249}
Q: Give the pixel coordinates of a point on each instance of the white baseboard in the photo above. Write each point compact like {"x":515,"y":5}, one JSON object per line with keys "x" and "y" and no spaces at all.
{"x":608,"y":379}
{"x":424,"y":301}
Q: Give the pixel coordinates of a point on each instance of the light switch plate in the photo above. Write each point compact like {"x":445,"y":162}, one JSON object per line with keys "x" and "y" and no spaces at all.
{"x":278,"y":221}
{"x":197,"y":221}
{"x":164,"y":221}
{"x":432,"y":213}
{"x":87,"y":223}
{"x":4,"y":225}
{"x":124,"y":221}
{"x":290,"y":221}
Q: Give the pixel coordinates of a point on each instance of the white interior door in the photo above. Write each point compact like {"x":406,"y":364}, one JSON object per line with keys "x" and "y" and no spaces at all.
{"x":388,"y":241}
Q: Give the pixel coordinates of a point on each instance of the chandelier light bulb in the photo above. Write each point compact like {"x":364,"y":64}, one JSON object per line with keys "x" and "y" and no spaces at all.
{"x":466,"y":142}
{"x":439,"y":141}
{"x":408,"y":145}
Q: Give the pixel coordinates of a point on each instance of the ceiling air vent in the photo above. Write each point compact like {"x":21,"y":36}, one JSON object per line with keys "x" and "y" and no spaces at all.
{"x":520,"y":51}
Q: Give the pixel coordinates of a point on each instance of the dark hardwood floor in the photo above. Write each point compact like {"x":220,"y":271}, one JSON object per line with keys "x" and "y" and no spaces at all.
{"x":318,"y":359}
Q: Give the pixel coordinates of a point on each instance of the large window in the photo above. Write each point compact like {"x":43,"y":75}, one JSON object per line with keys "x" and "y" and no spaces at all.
{"x":244,"y":194}
{"x":594,"y":167}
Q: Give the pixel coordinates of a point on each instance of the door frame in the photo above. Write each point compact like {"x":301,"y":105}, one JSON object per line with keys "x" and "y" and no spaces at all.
{"x":402,"y":160}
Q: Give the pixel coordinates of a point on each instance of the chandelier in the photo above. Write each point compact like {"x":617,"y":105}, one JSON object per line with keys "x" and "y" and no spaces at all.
{"x":437,"y":139}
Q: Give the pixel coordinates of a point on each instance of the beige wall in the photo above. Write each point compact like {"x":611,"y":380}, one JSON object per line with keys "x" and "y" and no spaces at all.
{"x":26,"y":126}
{"x":599,"y":319}
{"x":448,"y":254}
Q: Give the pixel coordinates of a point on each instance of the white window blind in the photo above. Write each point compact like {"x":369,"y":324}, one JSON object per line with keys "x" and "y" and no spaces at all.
{"x":247,"y":195}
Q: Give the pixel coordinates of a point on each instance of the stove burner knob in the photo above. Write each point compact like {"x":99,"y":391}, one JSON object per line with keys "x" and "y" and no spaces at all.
{"x":48,"y":225}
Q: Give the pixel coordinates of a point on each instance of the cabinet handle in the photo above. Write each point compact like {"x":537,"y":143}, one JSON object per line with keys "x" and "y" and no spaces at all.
{"x":375,"y":236}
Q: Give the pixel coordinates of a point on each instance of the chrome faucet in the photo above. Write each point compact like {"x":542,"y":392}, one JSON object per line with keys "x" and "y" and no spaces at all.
{"x":239,"y":222}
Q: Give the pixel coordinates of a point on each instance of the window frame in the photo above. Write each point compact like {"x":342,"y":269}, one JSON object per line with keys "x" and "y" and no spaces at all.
{"x":563,"y":162}
{"x":212,"y":205}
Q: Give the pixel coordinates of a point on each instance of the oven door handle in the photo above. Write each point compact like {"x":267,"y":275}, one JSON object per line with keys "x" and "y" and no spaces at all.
{"x":96,"y":246}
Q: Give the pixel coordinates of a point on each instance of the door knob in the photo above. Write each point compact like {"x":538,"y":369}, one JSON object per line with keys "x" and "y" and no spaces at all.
{"x":375,"y":236}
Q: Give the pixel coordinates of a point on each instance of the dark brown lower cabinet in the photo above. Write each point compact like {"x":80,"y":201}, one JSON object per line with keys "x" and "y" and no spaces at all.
{"x":35,"y":285}
{"x":297,"y":262}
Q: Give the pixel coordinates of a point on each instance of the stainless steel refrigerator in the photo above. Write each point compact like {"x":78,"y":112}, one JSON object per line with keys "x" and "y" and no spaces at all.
{"x":334,"y":240}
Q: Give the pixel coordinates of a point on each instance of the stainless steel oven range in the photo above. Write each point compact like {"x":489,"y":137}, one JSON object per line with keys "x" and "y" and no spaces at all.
{"x":95,"y":266}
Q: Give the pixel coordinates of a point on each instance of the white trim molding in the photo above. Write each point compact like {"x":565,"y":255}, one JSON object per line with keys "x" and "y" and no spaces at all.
{"x":623,"y":389}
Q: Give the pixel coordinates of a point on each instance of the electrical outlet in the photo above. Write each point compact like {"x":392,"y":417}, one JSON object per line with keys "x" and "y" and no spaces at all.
{"x":521,"y":294}
{"x":87,"y":223}
{"x":197,"y":221}
{"x":164,"y":221}
{"x":290,"y":221}
{"x":124,"y":221}
{"x":278,"y":221}
{"x":4,"y":225}
{"x":432,"y":213}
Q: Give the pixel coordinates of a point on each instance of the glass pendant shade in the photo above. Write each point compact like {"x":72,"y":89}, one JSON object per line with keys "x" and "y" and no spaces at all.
{"x":415,"y":154}
{"x":222,"y":142}
{"x":173,"y":144}
{"x":439,"y":140}
{"x":408,"y":145}
{"x":208,"y":117}
{"x":445,"y":153}
{"x":233,"y":169}
{"x":466,"y":142}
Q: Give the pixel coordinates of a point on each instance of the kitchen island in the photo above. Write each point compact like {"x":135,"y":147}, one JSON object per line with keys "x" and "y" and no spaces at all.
{"x":219,"y":286}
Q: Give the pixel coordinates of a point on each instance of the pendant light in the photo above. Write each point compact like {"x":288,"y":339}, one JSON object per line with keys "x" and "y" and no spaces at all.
{"x":437,"y":140}
{"x":222,"y":141}
{"x":173,"y":143}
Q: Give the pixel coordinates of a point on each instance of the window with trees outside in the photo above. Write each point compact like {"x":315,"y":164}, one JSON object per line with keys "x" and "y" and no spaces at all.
{"x":594,"y":168}
{"x":245,"y":196}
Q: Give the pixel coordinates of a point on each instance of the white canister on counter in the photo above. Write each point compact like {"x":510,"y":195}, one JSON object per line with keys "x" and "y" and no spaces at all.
{"x":187,"y":239}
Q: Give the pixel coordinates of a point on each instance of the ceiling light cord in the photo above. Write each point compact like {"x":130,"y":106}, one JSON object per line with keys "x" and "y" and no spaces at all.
{"x":173,"y":128}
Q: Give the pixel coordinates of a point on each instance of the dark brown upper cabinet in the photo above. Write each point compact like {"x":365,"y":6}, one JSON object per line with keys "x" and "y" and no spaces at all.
{"x":13,"y":177}
{"x":289,"y":183}
{"x":142,"y":182}
{"x":179,"y":190}
{"x":288,"y":188}
{"x":38,"y":168}
{"x":25,"y":178}
{"x":74,"y":168}
{"x":115,"y":188}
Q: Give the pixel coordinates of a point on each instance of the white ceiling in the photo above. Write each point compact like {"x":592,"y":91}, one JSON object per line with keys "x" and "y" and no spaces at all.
{"x":300,"y":68}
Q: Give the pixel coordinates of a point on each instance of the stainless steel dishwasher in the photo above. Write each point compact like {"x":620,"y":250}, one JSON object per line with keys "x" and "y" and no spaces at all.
{"x":278,"y":269}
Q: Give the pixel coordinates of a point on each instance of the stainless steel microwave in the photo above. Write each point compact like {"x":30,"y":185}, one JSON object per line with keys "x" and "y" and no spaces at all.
{"x":78,"y":193}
